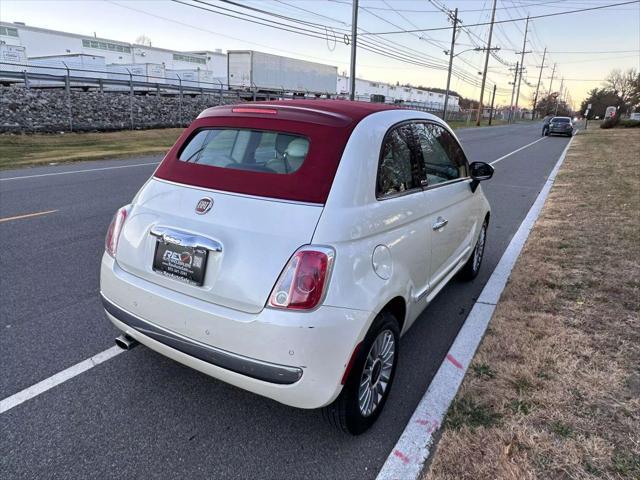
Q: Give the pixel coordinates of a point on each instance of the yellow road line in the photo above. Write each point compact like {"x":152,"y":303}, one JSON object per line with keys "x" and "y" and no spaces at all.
{"x":28,"y":215}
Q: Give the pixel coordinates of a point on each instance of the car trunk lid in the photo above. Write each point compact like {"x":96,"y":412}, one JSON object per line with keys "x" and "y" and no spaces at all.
{"x":256,"y":236}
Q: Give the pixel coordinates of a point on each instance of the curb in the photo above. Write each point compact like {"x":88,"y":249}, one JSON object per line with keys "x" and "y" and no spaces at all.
{"x":418,"y":440}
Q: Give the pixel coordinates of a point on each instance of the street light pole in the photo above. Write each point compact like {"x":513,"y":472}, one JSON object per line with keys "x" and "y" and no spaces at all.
{"x":354,"y":33}
{"x":453,"y":42}
{"x":535,"y":99}
{"x":486,"y":63}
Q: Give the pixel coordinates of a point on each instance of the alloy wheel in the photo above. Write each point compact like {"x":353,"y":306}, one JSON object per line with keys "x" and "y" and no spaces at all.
{"x":377,"y":372}
{"x":479,"y":251}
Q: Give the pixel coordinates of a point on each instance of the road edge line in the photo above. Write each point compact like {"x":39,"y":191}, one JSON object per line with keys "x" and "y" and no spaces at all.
{"x":418,"y":440}
{"x":517,"y":150}
{"x":58,"y":378}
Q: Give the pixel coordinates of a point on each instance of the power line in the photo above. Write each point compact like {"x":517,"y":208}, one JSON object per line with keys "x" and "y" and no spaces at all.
{"x":381,"y":43}
{"x":212,"y":32}
{"x":460,"y":73}
{"x":598,"y":52}
{"x":372,"y":47}
{"x":384,"y":47}
{"x":600,"y":59}
{"x":511,"y":20}
{"x":549,"y":3}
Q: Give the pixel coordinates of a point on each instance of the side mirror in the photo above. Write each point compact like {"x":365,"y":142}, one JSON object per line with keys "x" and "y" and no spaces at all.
{"x":479,"y":171}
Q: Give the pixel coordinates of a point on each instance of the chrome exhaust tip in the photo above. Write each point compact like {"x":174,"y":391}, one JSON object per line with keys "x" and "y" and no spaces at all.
{"x":126,"y":342}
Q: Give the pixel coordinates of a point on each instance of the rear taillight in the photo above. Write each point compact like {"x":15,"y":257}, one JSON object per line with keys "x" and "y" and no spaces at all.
{"x":303,"y":281}
{"x":115,"y":228}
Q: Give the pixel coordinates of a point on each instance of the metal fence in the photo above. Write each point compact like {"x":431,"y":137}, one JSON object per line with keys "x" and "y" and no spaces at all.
{"x":46,"y":76}
{"x":179,"y":90}
{"x":39,"y":75}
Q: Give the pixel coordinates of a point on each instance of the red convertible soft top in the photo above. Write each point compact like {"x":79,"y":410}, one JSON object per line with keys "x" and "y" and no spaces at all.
{"x":326,"y":123}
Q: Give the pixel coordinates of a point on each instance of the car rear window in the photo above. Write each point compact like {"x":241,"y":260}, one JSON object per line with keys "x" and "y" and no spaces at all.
{"x":244,"y":149}
{"x":561,"y":120}
{"x":289,"y":155}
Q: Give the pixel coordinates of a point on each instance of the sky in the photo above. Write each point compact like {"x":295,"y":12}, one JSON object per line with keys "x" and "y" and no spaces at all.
{"x":584,"y":46}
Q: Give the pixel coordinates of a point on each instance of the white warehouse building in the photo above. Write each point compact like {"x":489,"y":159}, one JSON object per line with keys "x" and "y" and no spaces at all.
{"x":397,"y":93}
{"x":41,"y":43}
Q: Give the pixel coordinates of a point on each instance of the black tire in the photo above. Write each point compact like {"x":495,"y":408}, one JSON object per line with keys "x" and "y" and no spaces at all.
{"x":472,"y":267}
{"x":345,"y":413}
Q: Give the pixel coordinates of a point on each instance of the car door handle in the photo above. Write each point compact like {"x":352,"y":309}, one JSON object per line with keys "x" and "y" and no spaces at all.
{"x":185,"y":239}
{"x":440,"y":222}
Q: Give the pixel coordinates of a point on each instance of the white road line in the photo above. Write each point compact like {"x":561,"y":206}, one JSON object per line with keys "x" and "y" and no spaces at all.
{"x":26,"y":215}
{"x":516,"y":151}
{"x":407,"y":458}
{"x":60,"y":377}
{"x":78,"y":171}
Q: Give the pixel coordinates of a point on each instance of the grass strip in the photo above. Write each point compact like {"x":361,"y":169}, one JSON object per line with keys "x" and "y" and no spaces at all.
{"x":554,"y":389}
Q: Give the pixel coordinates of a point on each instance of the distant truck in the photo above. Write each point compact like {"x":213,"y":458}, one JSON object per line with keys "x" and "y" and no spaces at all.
{"x":263,"y":72}
{"x":610,"y":112}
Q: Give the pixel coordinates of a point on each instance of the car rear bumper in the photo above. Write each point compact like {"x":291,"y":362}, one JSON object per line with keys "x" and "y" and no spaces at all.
{"x":295,"y":358}
{"x":564,"y":131}
{"x":250,"y":367}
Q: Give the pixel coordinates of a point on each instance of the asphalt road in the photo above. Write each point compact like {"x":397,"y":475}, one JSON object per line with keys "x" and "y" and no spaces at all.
{"x":140,"y":414}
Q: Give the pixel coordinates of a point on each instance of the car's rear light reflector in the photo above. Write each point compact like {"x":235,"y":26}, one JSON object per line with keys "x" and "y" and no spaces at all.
{"x":352,"y":360}
{"x":303,"y":281}
{"x":269,"y":111}
{"x":115,"y":229}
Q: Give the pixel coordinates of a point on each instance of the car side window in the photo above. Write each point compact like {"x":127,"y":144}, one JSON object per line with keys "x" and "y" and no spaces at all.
{"x":397,"y":170}
{"x":454,"y":151}
{"x":442,"y":156}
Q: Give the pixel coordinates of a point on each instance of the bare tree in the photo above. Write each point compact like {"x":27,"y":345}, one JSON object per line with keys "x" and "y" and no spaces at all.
{"x":625,"y":86}
{"x":143,"y":40}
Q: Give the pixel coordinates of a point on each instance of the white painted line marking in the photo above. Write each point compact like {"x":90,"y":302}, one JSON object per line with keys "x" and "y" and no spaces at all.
{"x":407,"y":458}
{"x":78,"y":171}
{"x":60,"y":377}
{"x":516,"y":151}
{"x":26,"y":215}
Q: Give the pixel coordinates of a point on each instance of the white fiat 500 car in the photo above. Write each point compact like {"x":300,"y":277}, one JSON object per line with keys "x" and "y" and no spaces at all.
{"x":285,"y":247}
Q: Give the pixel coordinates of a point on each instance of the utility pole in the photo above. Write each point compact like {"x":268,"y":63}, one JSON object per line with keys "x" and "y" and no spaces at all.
{"x":553,"y":72}
{"x":524,"y":47}
{"x":513,"y":90}
{"x":535,"y":99}
{"x":354,"y":33}
{"x":558,"y":97}
{"x":486,"y":63}
{"x":493,"y":99}
{"x":453,"y":42}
